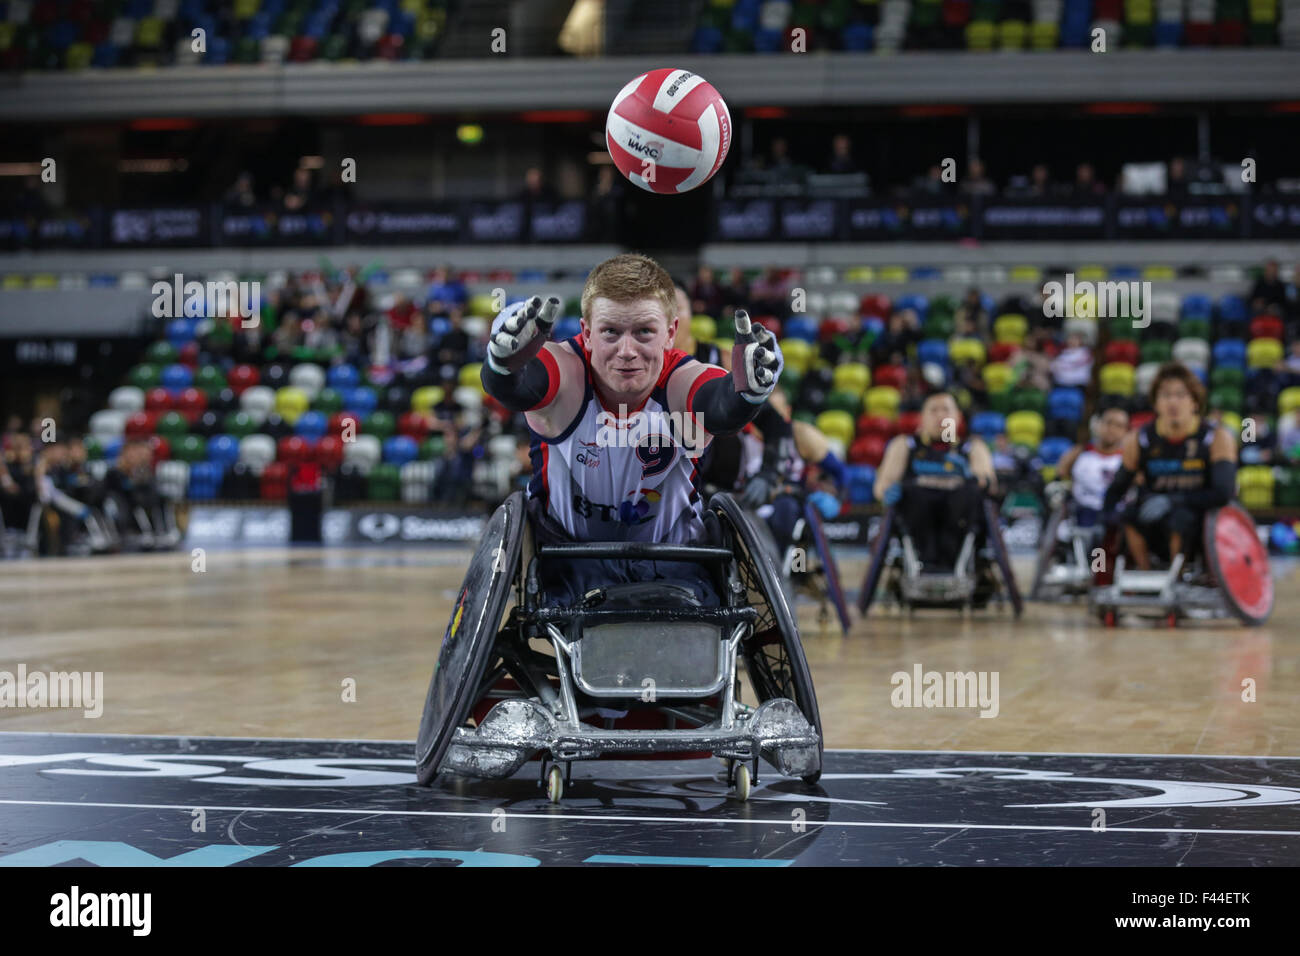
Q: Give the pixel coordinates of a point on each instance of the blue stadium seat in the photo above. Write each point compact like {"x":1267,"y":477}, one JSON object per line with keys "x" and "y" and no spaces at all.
{"x":918,"y":303}
{"x":801,"y":327}
{"x":1050,"y":450}
{"x":932,"y":350}
{"x":400,"y":449}
{"x":858,"y":481}
{"x":768,"y":41}
{"x":439,"y":326}
{"x":311,"y":425}
{"x":360,"y":399}
{"x":707,"y":40}
{"x":113,"y":448}
{"x":858,"y":37}
{"x":1197,"y":307}
{"x":1065,"y":404}
{"x":179,"y":332}
{"x":177,"y":377}
{"x":223,"y":450}
{"x":205,"y":480}
{"x":1125,"y":272}
{"x":343,"y":376}
{"x":1232,"y":308}
{"x":1230,"y":353}
{"x":873,"y":326}
{"x":567,"y":329}
{"x":1168,"y":33}
{"x":923,"y":273}
{"x":988,"y":425}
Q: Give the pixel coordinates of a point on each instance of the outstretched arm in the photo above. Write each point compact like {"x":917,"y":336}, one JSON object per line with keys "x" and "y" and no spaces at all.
{"x":527,"y":373}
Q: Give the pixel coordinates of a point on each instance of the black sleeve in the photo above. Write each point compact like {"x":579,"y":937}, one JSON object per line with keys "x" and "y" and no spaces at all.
{"x":1222,"y":486}
{"x":723,"y":410}
{"x":521,"y":392}
{"x":1118,"y":487}
{"x":778,"y":436}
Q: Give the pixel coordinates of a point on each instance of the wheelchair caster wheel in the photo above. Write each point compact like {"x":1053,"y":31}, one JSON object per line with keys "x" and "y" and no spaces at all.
{"x":741,"y":781}
{"x":1171,"y":619}
{"x":554,"y":785}
{"x":1108,"y":618}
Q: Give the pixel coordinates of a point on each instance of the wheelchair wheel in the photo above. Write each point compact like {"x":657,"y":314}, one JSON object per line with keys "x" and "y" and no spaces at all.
{"x":774,"y":657}
{"x":1046,"y":549}
{"x":471,"y":636}
{"x":1239,"y":563}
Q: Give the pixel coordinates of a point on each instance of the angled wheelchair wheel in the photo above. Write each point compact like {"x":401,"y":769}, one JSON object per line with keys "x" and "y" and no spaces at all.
{"x":829,"y":567}
{"x":471,"y":636}
{"x":1046,"y":548}
{"x":774,"y":657}
{"x":876,"y":562}
{"x":994,"y":531}
{"x":1239,"y":562}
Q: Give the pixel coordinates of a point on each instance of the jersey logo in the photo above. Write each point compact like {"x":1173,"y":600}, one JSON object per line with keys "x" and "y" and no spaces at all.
{"x":656,"y":454}
{"x":589,"y":455}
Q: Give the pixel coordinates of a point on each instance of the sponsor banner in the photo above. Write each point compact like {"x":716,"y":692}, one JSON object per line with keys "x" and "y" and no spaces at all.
{"x":868,"y":220}
{"x":1274,"y":218}
{"x":809,"y":219}
{"x":495,"y":222}
{"x":738,"y":220}
{"x":396,"y":223}
{"x":559,"y":222}
{"x":1194,"y":217}
{"x":268,"y":226}
{"x":1038,"y":219}
{"x":253,"y":527}
{"x":67,"y":230}
{"x":158,"y":226}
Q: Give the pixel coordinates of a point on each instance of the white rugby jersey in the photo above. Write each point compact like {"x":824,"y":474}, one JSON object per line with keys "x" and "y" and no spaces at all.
{"x":603,"y":479}
{"x":1092,"y":474}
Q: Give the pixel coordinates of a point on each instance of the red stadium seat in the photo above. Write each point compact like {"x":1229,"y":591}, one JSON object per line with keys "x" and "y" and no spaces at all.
{"x":1002,"y":351}
{"x":1266,"y":327}
{"x":390,"y":47}
{"x":908,"y":423}
{"x":339,"y":421}
{"x":867,"y":450}
{"x":876,"y":425}
{"x":305,"y":477}
{"x":875,"y":305}
{"x":1108,"y":10}
{"x":1122,"y":350}
{"x":161,"y":448}
{"x":294,"y":450}
{"x":771,"y":323}
{"x":956,"y":13}
{"x":1138,"y":419}
{"x":1198,"y":34}
{"x":414,"y":425}
{"x":140,"y":425}
{"x":275,"y":481}
{"x":192,"y":403}
{"x":1230,"y":33}
{"x":329,"y":452}
{"x":243,"y":377}
{"x":894,"y":376}
{"x":832,"y":327}
{"x":189,"y":354}
{"x":302,"y":49}
{"x":158,"y":400}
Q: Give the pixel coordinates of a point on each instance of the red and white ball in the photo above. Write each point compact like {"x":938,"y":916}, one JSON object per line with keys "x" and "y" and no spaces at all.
{"x":668,"y":131}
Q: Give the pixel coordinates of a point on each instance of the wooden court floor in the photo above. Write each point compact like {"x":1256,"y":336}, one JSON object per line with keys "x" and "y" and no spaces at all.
{"x":265,"y":644}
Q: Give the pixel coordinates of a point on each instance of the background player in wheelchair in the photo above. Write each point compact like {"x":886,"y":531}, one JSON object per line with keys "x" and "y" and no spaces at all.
{"x":616,"y":561}
{"x":938,"y":492}
{"x":1182,"y":516}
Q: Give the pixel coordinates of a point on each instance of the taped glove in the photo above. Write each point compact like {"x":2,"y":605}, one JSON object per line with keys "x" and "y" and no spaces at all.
{"x":519,"y":333}
{"x":826,"y":503}
{"x":757,"y":491}
{"x":756,"y":360}
{"x":893,"y":494}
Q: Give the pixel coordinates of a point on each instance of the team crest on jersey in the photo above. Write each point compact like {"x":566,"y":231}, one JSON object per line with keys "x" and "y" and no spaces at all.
{"x":589,"y":454}
{"x":638,"y":507}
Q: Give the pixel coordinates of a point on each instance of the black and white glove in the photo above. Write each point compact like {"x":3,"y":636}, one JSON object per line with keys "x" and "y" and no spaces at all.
{"x":756,"y":360}
{"x":519,"y":333}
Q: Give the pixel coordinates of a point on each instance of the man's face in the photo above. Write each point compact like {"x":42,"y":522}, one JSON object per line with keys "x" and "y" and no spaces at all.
{"x":1110,"y":432}
{"x":1174,"y":402}
{"x":627,"y":341}
{"x":936,"y":414}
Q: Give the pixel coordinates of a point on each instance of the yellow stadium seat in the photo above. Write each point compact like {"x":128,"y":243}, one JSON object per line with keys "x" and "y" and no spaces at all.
{"x":1010,"y":328}
{"x":798,"y":354}
{"x":290,"y":403}
{"x":1263,"y":353}
{"x":1231,"y":421}
{"x":469,"y":375}
{"x":836,"y":424}
{"x":45,"y":280}
{"x":860,"y":274}
{"x":79,"y":56}
{"x":426,"y":397}
{"x":1025,"y":428}
{"x":1289,"y":400}
{"x":1118,"y":378}
{"x":1159,"y":273}
{"x":892,"y":274}
{"x":1256,"y":484}
{"x":882,"y":400}
{"x":244,"y":9}
{"x":6,"y":35}
{"x":1025,"y":274}
{"x":851,"y":377}
{"x":1044,"y":35}
{"x":998,"y":376}
{"x":703,"y":328}
{"x":1091,"y":274}
{"x":967,"y":350}
{"x":14,"y":281}
{"x":1012,"y":34}
{"x":482,"y":305}
{"x":724,"y":345}
{"x":979,"y":35}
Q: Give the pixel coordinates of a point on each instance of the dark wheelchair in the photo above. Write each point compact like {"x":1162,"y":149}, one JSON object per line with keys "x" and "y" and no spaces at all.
{"x":1225,"y":575}
{"x":642,"y":668}
{"x":978,"y":574}
{"x":1063,"y":568}
{"x":805,"y":563}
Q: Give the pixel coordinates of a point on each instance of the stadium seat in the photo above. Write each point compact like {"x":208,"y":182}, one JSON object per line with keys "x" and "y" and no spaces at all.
{"x":1118,"y":378}
{"x":1010,"y":328}
{"x":997,"y":376}
{"x":1263,"y":353}
{"x":1256,"y":484}
{"x":1194,"y":353}
{"x":1025,"y":428}
{"x":256,"y":452}
{"x":1230,"y":352}
{"x":1051,"y":449}
{"x":988,"y":424}
{"x":882,"y":400}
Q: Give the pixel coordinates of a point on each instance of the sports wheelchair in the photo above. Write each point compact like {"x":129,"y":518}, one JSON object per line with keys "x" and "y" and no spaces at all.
{"x":970,"y":583}
{"x":1228,"y":576}
{"x":1063,"y":566}
{"x":641,"y":668}
{"x":807,"y":564}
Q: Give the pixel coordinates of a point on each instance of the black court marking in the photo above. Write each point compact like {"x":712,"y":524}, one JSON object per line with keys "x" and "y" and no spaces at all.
{"x":126,"y":800}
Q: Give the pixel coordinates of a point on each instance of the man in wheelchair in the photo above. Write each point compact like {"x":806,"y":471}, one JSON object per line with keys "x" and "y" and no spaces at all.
{"x":1187,"y":465}
{"x":626,"y":573}
{"x":1183,"y":515}
{"x":938,"y":495}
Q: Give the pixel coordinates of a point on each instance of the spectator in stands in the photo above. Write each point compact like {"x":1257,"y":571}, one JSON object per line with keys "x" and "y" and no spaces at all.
{"x":446,"y":293}
{"x":976,"y":182}
{"x":301,"y":192}
{"x":1176,"y":178}
{"x":1037,"y":185}
{"x":1268,"y":294}
{"x":288,"y":335}
{"x":780,"y":168}
{"x":770,"y":295}
{"x":1074,"y":365}
{"x":1033,"y":367}
{"x":735,"y":292}
{"x":453,"y":347}
{"x":536,"y":189}
{"x":891,"y":345}
{"x":842,"y":161}
{"x":1288,"y":436}
{"x":241,"y":194}
{"x":1292,"y":363}
{"x":17,"y":478}
{"x":355,"y":340}
{"x":967,"y":379}
{"x":972,"y":310}
{"x":1086,"y":184}
{"x":931,"y":184}
{"x":607,"y":203}
{"x":707,"y":297}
